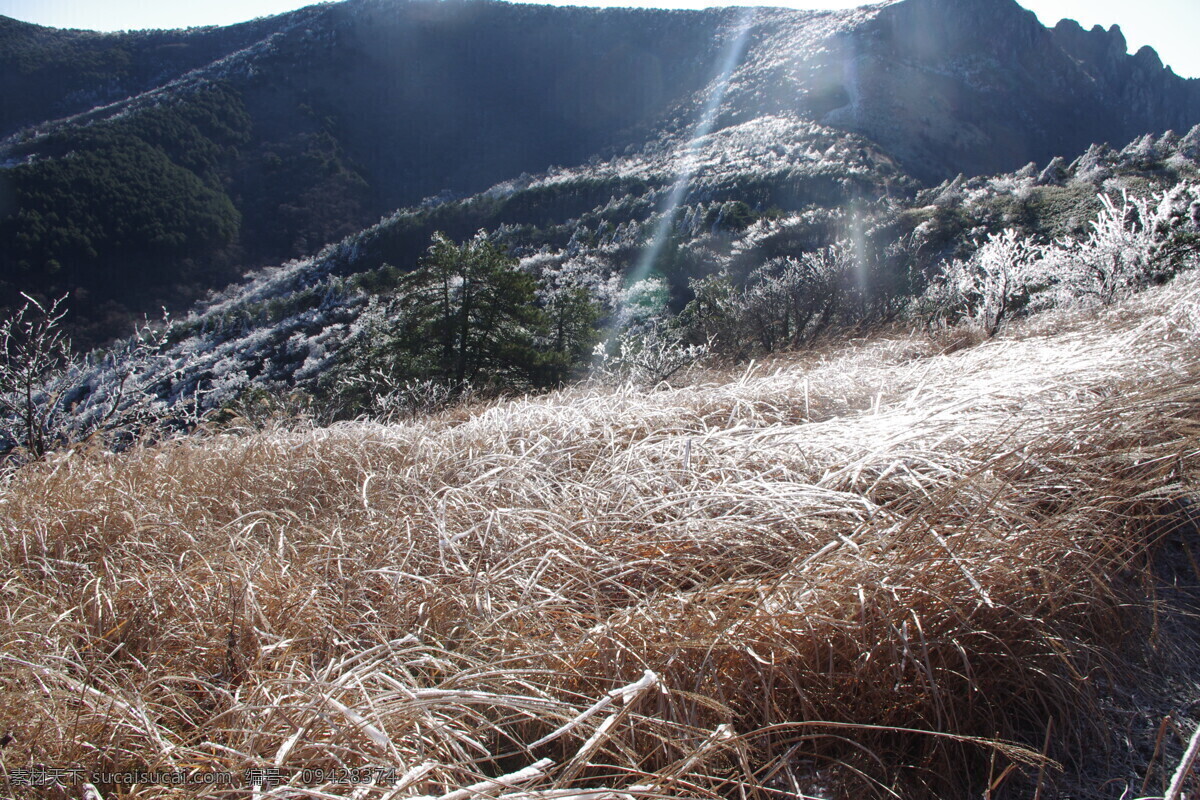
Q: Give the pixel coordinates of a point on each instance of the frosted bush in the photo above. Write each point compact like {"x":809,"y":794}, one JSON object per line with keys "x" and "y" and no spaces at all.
{"x":1132,"y":243}
{"x":645,"y":358}
{"x":51,"y":398}
{"x":1114,"y":259}
{"x":986,"y":287}
{"x":789,"y":301}
{"x":643,"y":302}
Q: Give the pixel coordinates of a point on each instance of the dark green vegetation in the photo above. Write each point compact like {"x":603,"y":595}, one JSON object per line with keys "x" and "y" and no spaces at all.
{"x":146,"y":209}
{"x":129,"y":212}
{"x":195,"y":155}
{"x":468,"y":316}
{"x":47,"y":74}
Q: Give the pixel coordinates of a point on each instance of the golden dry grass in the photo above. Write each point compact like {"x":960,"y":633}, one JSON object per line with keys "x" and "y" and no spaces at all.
{"x":879,"y":569}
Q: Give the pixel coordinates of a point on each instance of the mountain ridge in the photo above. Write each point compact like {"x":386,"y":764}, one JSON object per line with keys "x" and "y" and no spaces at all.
{"x":347,"y":111}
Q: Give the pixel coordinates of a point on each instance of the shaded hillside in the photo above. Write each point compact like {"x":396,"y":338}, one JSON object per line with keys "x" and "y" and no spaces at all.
{"x":47,"y":73}
{"x":215,"y":150}
{"x":982,"y":87}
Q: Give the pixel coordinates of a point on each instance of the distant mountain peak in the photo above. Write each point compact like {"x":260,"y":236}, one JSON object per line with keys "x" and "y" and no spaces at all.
{"x":981,"y":86}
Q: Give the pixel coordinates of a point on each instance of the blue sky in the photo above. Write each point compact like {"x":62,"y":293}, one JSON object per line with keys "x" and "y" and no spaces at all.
{"x":1170,"y":26}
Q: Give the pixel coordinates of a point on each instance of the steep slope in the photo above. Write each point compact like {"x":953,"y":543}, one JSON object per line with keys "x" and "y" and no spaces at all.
{"x":975,"y":87}
{"x":294,"y":132}
{"x":47,"y":73}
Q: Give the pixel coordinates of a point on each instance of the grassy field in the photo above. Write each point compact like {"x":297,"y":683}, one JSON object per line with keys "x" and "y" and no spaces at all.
{"x":911,"y":565}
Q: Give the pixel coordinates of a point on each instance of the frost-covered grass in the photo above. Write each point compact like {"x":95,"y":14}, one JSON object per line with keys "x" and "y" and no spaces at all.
{"x":878,"y":567}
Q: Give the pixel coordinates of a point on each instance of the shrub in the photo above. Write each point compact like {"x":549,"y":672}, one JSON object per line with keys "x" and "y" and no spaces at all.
{"x":1131,"y":244}
{"x":986,"y":287}
{"x":645,"y":357}
{"x":1113,"y":260}
{"x":51,"y":398}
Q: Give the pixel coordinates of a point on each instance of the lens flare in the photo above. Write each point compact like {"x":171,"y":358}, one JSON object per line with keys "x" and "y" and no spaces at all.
{"x":862,"y":269}
{"x":688,"y":161}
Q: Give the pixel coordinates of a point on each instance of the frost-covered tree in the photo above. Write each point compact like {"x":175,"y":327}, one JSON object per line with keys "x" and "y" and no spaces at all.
{"x":35,"y":354}
{"x":646,"y":356}
{"x":50,"y":398}
{"x":1114,"y":259}
{"x":573,"y":296}
{"x":790,"y":301}
{"x":988,"y":286}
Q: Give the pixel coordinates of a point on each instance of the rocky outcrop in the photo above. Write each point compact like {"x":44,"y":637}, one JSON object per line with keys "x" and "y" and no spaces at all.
{"x":1055,"y":173}
{"x":1138,"y":87}
{"x":980,"y":86}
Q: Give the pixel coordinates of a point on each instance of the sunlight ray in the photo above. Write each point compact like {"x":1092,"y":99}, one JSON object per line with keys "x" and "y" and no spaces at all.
{"x":687,"y":165}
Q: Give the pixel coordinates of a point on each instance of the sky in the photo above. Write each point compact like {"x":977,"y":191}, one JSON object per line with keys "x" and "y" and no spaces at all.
{"x":1170,"y":26}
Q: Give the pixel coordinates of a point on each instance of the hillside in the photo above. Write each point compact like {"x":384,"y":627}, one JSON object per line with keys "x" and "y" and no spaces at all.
{"x":211,"y":151}
{"x":901,"y":564}
{"x":295,"y":328}
{"x":563,"y":404}
{"x":48,"y":74}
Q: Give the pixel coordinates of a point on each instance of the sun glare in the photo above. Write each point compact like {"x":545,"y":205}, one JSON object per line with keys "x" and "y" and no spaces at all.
{"x":688,"y":161}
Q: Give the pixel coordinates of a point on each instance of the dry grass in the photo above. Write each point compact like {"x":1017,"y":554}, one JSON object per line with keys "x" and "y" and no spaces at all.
{"x":880,"y":569}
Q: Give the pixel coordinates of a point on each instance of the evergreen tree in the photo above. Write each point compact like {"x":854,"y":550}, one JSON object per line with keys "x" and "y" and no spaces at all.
{"x":479,"y":311}
{"x":467,"y":317}
{"x":570,"y":333}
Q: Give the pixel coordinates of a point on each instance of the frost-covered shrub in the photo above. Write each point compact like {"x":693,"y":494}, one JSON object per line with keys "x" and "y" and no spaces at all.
{"x":643,"y":304}
{"x":1175,"y":228}
{"x":52,"y":398}
{"x":989,"y":285}
{"x":645,"y":357}
{"x":1132,"y":242}
{"x":790,"y":301}
{"x":714,"y":315}
{"x":392,"y":399}
{"x":224,"y":387}
{"x":1114,"y":259}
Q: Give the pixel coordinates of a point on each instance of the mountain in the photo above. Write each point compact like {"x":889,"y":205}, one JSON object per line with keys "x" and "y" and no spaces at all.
{"x":976,"y":87}
{"x":46,"y":73}
{"x":706,"y":422}
{"x":149,"y":168}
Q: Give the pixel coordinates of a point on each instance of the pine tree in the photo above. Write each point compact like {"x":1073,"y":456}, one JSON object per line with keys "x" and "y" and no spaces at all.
{"x":479,"y":311}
